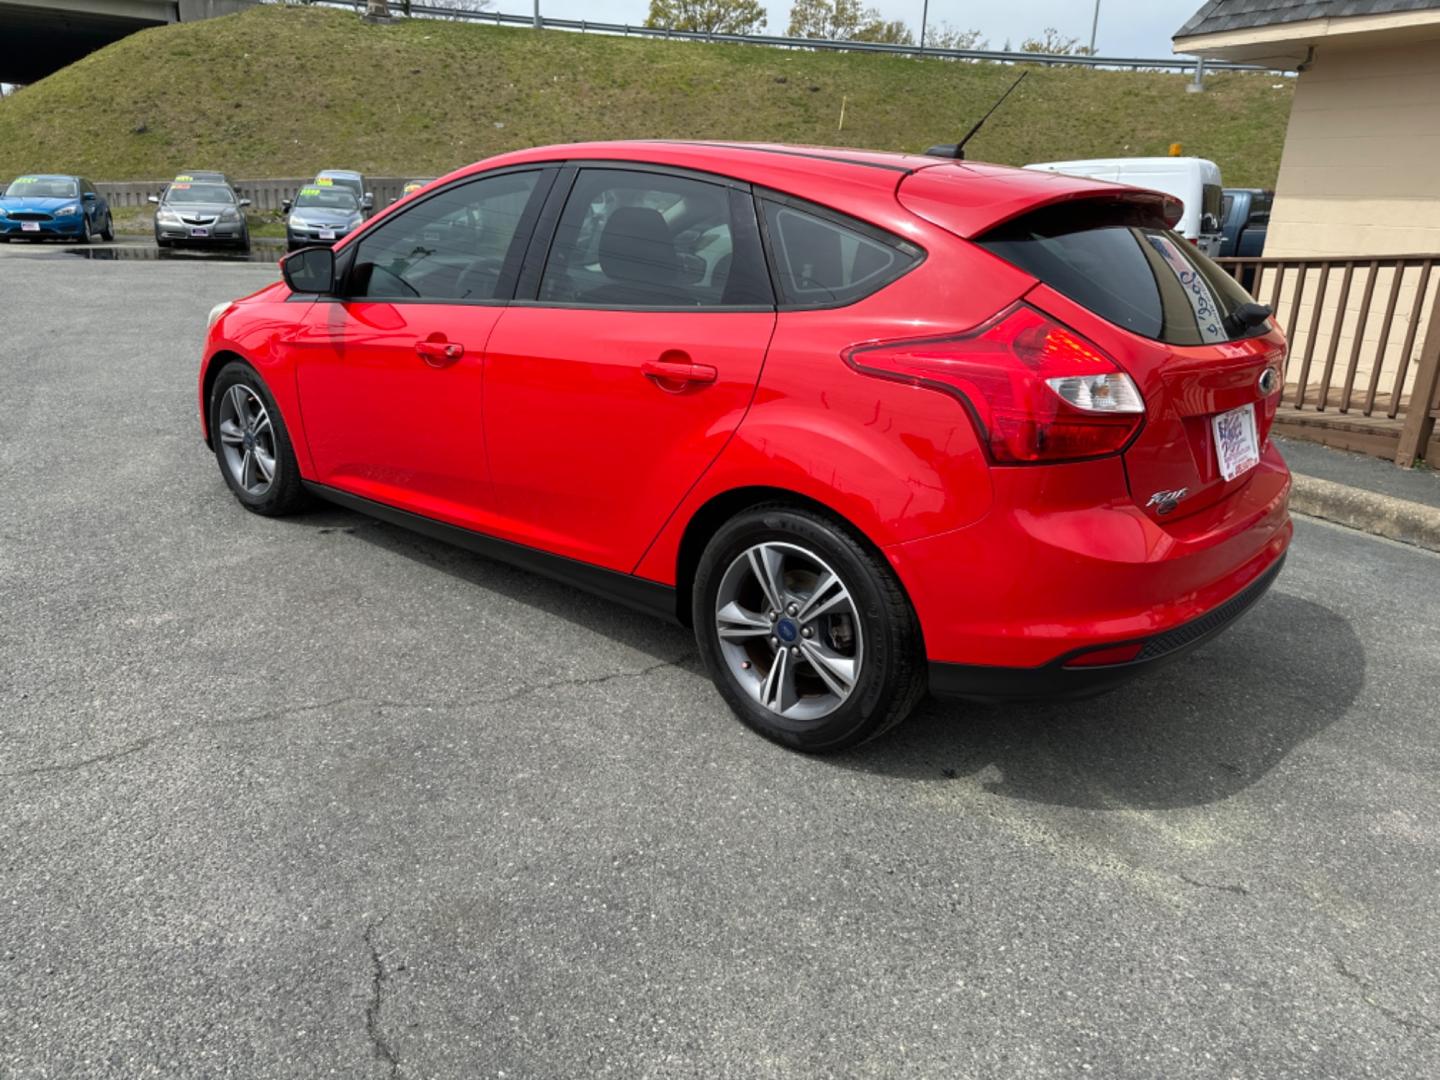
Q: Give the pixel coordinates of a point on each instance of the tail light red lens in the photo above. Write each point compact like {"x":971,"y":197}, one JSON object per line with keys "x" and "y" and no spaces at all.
{"x":1038,"y":391}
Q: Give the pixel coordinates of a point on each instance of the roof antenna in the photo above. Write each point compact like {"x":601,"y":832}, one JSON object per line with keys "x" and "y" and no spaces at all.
{"x":957,"y":150}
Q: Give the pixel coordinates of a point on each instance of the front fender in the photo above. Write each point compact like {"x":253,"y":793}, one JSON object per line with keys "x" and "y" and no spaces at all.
{"x":257,"y":331}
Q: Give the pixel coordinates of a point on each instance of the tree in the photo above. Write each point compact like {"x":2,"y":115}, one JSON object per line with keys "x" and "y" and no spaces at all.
{"x":1055,"y":43}
{"x":945,"y":36}
{"x":845,"y":20}
{"x":707,"y":16}
{"x":461,"y":8}
{"x":878,"y":30}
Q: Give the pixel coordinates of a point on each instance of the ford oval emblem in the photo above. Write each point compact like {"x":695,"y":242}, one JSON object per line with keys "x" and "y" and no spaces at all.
{"x":1269,"y":381}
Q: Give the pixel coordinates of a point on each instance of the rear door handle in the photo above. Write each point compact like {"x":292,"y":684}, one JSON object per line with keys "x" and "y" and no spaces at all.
{"x":439,"y":353}
{"x":677,"y":371}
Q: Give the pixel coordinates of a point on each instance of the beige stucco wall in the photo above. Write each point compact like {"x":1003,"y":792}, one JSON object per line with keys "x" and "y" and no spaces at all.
{"x":1360,"y":173}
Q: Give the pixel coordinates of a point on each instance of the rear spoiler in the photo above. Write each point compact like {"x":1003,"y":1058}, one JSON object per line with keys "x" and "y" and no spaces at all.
{"x":969,"y":200}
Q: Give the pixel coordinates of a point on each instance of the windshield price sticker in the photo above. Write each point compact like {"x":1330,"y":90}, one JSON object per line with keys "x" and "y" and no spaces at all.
{"x":27,"y":180}
{"x":179,"y":187}
{"x":183,"y":179}
{"x":324,"y":181}
{"x":310,"y":191}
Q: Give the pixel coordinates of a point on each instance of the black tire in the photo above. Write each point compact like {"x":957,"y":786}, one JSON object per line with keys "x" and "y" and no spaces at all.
{"x":893,"y":673}
{"x":85,"y":237}
{"x":108,"y":232}
{"x":285,"y":493}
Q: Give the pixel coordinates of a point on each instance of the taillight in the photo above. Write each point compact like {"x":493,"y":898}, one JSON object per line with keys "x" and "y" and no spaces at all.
{"x":1038,"y":391}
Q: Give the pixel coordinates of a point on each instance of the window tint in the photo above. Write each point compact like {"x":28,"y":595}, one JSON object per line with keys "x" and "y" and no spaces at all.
{"x":637,"y":239}
{"x":822,"y":263}
{"x":1125,"y":266}
{"x":1226,"y":206}
{"x":452,"y":246}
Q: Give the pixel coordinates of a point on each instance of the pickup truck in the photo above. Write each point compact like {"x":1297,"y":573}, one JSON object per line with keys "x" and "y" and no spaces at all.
{"x":1244,"y":220}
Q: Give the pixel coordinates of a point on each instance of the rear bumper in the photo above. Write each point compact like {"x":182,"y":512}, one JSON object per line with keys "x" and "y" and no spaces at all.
{"x":1055,"y":567}
{"x":1056,"y":680}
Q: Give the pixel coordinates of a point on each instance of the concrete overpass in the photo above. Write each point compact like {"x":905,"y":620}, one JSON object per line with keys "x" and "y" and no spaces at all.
{"x":38,"y":37}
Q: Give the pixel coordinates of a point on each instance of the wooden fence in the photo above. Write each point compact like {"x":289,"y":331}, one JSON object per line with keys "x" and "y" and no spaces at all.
{"x":1364,"y":366}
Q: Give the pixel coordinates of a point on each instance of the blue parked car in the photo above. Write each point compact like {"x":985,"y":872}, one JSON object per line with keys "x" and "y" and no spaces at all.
{"x":48,"y":206}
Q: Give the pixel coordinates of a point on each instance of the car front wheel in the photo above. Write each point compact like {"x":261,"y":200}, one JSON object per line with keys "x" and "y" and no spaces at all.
{"x":805,"y":631}
{"x":251,"y":444}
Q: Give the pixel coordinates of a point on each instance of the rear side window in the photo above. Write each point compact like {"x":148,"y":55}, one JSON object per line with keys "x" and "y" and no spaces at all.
{"x":823,"y":263}
{"x":641,"y":239}
{"x":1122,"y":263}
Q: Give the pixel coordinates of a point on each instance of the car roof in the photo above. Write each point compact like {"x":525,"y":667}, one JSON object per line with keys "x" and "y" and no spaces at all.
{"x":48,"y":175}
{"x":863,"y":183}
{"x":349,"y":174}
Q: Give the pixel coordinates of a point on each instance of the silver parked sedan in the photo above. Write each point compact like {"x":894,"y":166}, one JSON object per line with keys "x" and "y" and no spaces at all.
{"x":195,"y":212}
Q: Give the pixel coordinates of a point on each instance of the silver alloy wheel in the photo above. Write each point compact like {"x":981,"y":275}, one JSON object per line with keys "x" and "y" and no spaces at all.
{"x":789,"y":630}
{"x":247,"y":439}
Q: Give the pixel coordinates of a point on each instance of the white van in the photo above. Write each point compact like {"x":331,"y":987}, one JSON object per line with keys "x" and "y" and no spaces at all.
{"x":1194,"y":181}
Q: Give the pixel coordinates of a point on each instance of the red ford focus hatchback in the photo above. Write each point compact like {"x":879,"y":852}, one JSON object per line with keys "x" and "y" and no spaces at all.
{"x":870,"y":423}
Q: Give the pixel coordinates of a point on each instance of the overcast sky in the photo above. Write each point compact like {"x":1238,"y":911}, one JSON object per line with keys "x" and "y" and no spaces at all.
{"x":1127,"y":27}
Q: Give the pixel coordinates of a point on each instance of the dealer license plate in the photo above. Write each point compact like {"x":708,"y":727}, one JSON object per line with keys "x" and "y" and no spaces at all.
{"x":29,"y":226}
{"x":199,"y":232}
{"x":327,"y":234}
{"x":1237,"y":446}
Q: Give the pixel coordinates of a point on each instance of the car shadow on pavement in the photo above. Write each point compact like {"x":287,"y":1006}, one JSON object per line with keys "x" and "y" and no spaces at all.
{"x":635,"y":629}
{"x":1194,"y":732}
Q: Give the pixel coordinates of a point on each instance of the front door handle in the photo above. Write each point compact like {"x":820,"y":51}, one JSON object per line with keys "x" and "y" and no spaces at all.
{"x":675,"y":371}
{"x":437,"y":352}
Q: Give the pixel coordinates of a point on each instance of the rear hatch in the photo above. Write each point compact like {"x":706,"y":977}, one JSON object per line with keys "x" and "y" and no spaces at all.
{"x":1171,"y":319}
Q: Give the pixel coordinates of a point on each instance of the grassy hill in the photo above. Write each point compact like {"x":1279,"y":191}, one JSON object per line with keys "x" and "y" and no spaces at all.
{"x":282,"y":91}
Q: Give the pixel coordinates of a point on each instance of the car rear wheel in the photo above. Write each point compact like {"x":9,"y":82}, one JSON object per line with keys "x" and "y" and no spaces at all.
{"x":251,"y":444}
{"x":806,"y":633}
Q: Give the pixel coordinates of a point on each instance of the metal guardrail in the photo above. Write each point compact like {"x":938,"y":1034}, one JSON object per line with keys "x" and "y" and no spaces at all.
{"x":1119,"y":63}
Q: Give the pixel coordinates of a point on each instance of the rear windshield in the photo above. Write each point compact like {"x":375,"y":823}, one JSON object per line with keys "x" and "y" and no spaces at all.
{"x":1122,"y":263}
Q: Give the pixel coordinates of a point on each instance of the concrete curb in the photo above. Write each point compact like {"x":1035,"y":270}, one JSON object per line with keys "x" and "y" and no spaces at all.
{"x":1383,"y":515}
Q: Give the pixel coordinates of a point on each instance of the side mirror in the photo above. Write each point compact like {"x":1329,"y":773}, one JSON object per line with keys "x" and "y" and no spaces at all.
{"x":244,"y":202}
{"x":310,"y":270}
{"x":285,"y":204}
{"x":89,"y":196}
{"x":155,"y":199}
{"x":1209,"y":223}
{"x":368,"y":202}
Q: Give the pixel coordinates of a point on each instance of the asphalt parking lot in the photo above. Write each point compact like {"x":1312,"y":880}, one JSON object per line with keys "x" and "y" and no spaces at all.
{"x":322,"y":797}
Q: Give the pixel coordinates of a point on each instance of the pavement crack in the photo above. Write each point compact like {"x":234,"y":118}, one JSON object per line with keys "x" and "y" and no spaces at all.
{"x":379,"y":975}
{"x":172,"y":732}
{"x":270,"y":715}
{"x":1416,"y":1025}
{"x":1238,"y":890}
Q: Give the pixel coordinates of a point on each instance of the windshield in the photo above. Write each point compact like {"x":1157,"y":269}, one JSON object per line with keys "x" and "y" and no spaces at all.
{"x":1122,"y":263}
{"x":42,"y":187}
{"x":199,"y":193}
{"x":332,"y":198}
{"x":338,"y":181}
